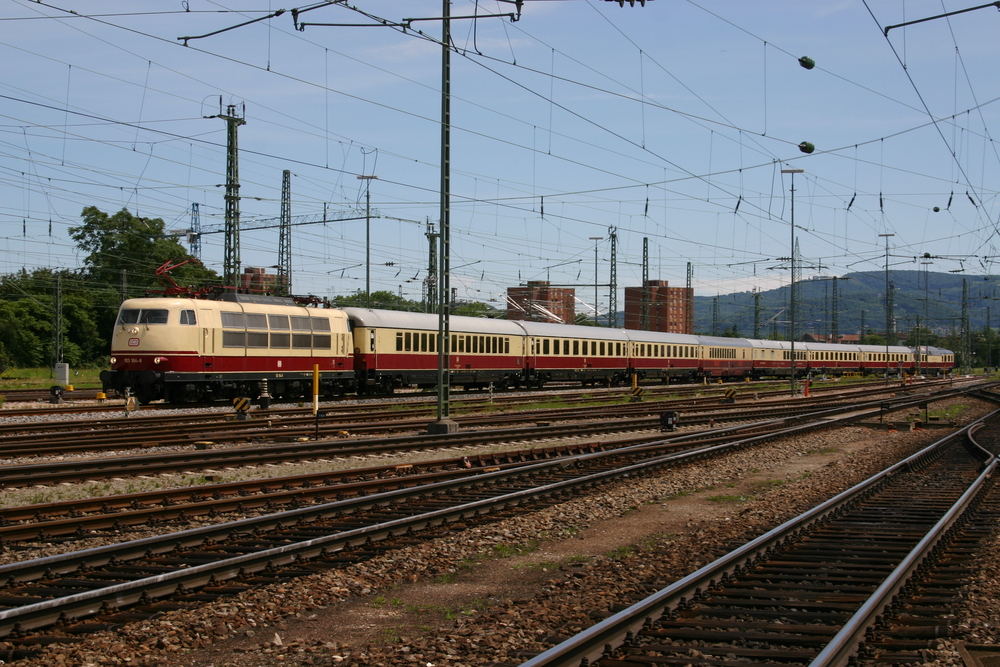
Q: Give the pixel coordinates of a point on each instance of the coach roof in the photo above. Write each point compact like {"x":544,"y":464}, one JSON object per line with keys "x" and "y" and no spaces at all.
{"x":393,"y":319}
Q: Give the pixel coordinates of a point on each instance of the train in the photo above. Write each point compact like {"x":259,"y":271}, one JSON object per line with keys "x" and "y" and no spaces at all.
{"x":196,"y":349}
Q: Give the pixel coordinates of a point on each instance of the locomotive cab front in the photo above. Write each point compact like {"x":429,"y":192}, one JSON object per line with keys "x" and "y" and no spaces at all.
{"x":152,"y":337}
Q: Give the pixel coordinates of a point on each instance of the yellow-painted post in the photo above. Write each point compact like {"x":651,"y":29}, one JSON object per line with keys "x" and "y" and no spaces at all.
{"x":316,"y":397}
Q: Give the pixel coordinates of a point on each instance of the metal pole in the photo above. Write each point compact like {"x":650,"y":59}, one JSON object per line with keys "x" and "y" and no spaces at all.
{"x":368,"y":237}
{"x":444,"y":424}
{"x":595,"y":239}
{"x":791,"y":282}
{"x":888,"y":310}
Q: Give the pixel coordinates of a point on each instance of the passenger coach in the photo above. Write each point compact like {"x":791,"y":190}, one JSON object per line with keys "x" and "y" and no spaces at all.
{"x":398,"y":349}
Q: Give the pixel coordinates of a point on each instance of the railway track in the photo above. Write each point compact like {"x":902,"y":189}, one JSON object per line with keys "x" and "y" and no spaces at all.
{"x":468,"y":397}
{"x":630,"y":418}
{"x":868,"y":574}
{"x":53,"y":598}
{"x":77,"y":517}
{"x":65,"y":437}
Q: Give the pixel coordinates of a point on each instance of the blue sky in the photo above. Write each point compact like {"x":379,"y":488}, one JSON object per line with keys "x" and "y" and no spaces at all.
{"x":669,"y":121}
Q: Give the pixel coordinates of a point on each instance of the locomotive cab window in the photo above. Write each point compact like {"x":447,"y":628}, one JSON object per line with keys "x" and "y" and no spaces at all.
{"x":279,"y":322}
{"x":142,"y":316}
{"x":188,"y":317}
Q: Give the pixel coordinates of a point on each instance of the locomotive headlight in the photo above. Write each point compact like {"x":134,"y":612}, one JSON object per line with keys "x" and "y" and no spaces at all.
{"x":158,"y":360}
{"x":114,"y":360}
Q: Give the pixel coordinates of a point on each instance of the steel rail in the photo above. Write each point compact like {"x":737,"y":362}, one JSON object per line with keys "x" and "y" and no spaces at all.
{"x":594,"y":642}
{"x":37,"y":521}
{"x":86,"y":469}
{"x":40,"y":614}
{"x":844,"y":646}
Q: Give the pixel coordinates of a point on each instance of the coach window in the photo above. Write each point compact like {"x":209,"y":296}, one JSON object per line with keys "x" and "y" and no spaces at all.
{"x":576,"y":347}
{"x":399,"y":341}
{"x":280,"y":340}
{"x":506,"y":345}
{"x":234,"y":339}
{"x":187,"y":317}
{"x":232,"y":320}
{"x":256,"y":339}
{"x":545,"y":346}
{"x":483,"y":343}
{"x":256,"y":320}
{"x":407,"y":342}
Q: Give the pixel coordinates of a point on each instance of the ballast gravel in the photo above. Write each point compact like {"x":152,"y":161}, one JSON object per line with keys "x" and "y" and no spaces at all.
{"x":266,"y":626}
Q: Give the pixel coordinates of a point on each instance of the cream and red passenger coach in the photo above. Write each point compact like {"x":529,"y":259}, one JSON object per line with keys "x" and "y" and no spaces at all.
{"x":199,"y":349}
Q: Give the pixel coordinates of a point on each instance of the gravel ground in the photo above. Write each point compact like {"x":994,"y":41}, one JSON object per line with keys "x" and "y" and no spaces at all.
{"x":513,"y":587}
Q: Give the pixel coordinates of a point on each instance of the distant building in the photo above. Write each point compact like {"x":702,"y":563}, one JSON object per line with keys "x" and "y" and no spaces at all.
{"x":669,"y":309}
{"x":846,"y":339}
{"x":540,"y":302}
{"x":258,"y":281}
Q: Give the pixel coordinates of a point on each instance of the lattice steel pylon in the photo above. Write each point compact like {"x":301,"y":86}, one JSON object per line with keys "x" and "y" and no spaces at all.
{"x":431,"y":281}
{"x":231,"y":259}
{"x":285,"y":236}
{"x":613,"y":281}
{"x":756,"y":312}
{"x":194,"y":233}
{"x":689,"y":319}
{"x":793,"y":292}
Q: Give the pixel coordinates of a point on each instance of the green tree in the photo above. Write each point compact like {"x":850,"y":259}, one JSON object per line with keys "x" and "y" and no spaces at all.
{"x":135,"y":245}
{"x":379,"y":299}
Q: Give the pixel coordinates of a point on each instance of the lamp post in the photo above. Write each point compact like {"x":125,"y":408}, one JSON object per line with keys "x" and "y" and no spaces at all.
{"x":888,"y":310}
{"x":791,"y":282}
{"x":595,"y":239}
{"x":368,"y":237}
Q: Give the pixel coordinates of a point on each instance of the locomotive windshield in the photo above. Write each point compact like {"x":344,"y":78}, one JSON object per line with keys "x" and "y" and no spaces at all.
{"x":142,"y":316}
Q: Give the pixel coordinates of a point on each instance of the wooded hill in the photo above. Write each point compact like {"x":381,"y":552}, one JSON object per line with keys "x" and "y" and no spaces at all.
{"x":861,"y":303}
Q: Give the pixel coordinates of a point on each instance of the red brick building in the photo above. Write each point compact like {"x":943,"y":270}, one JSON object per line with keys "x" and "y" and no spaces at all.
{"x":669,"y":309}
{"x":540,"y":302}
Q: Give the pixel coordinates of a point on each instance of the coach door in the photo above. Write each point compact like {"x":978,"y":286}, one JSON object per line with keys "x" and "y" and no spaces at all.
{"x":206,"y":322}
